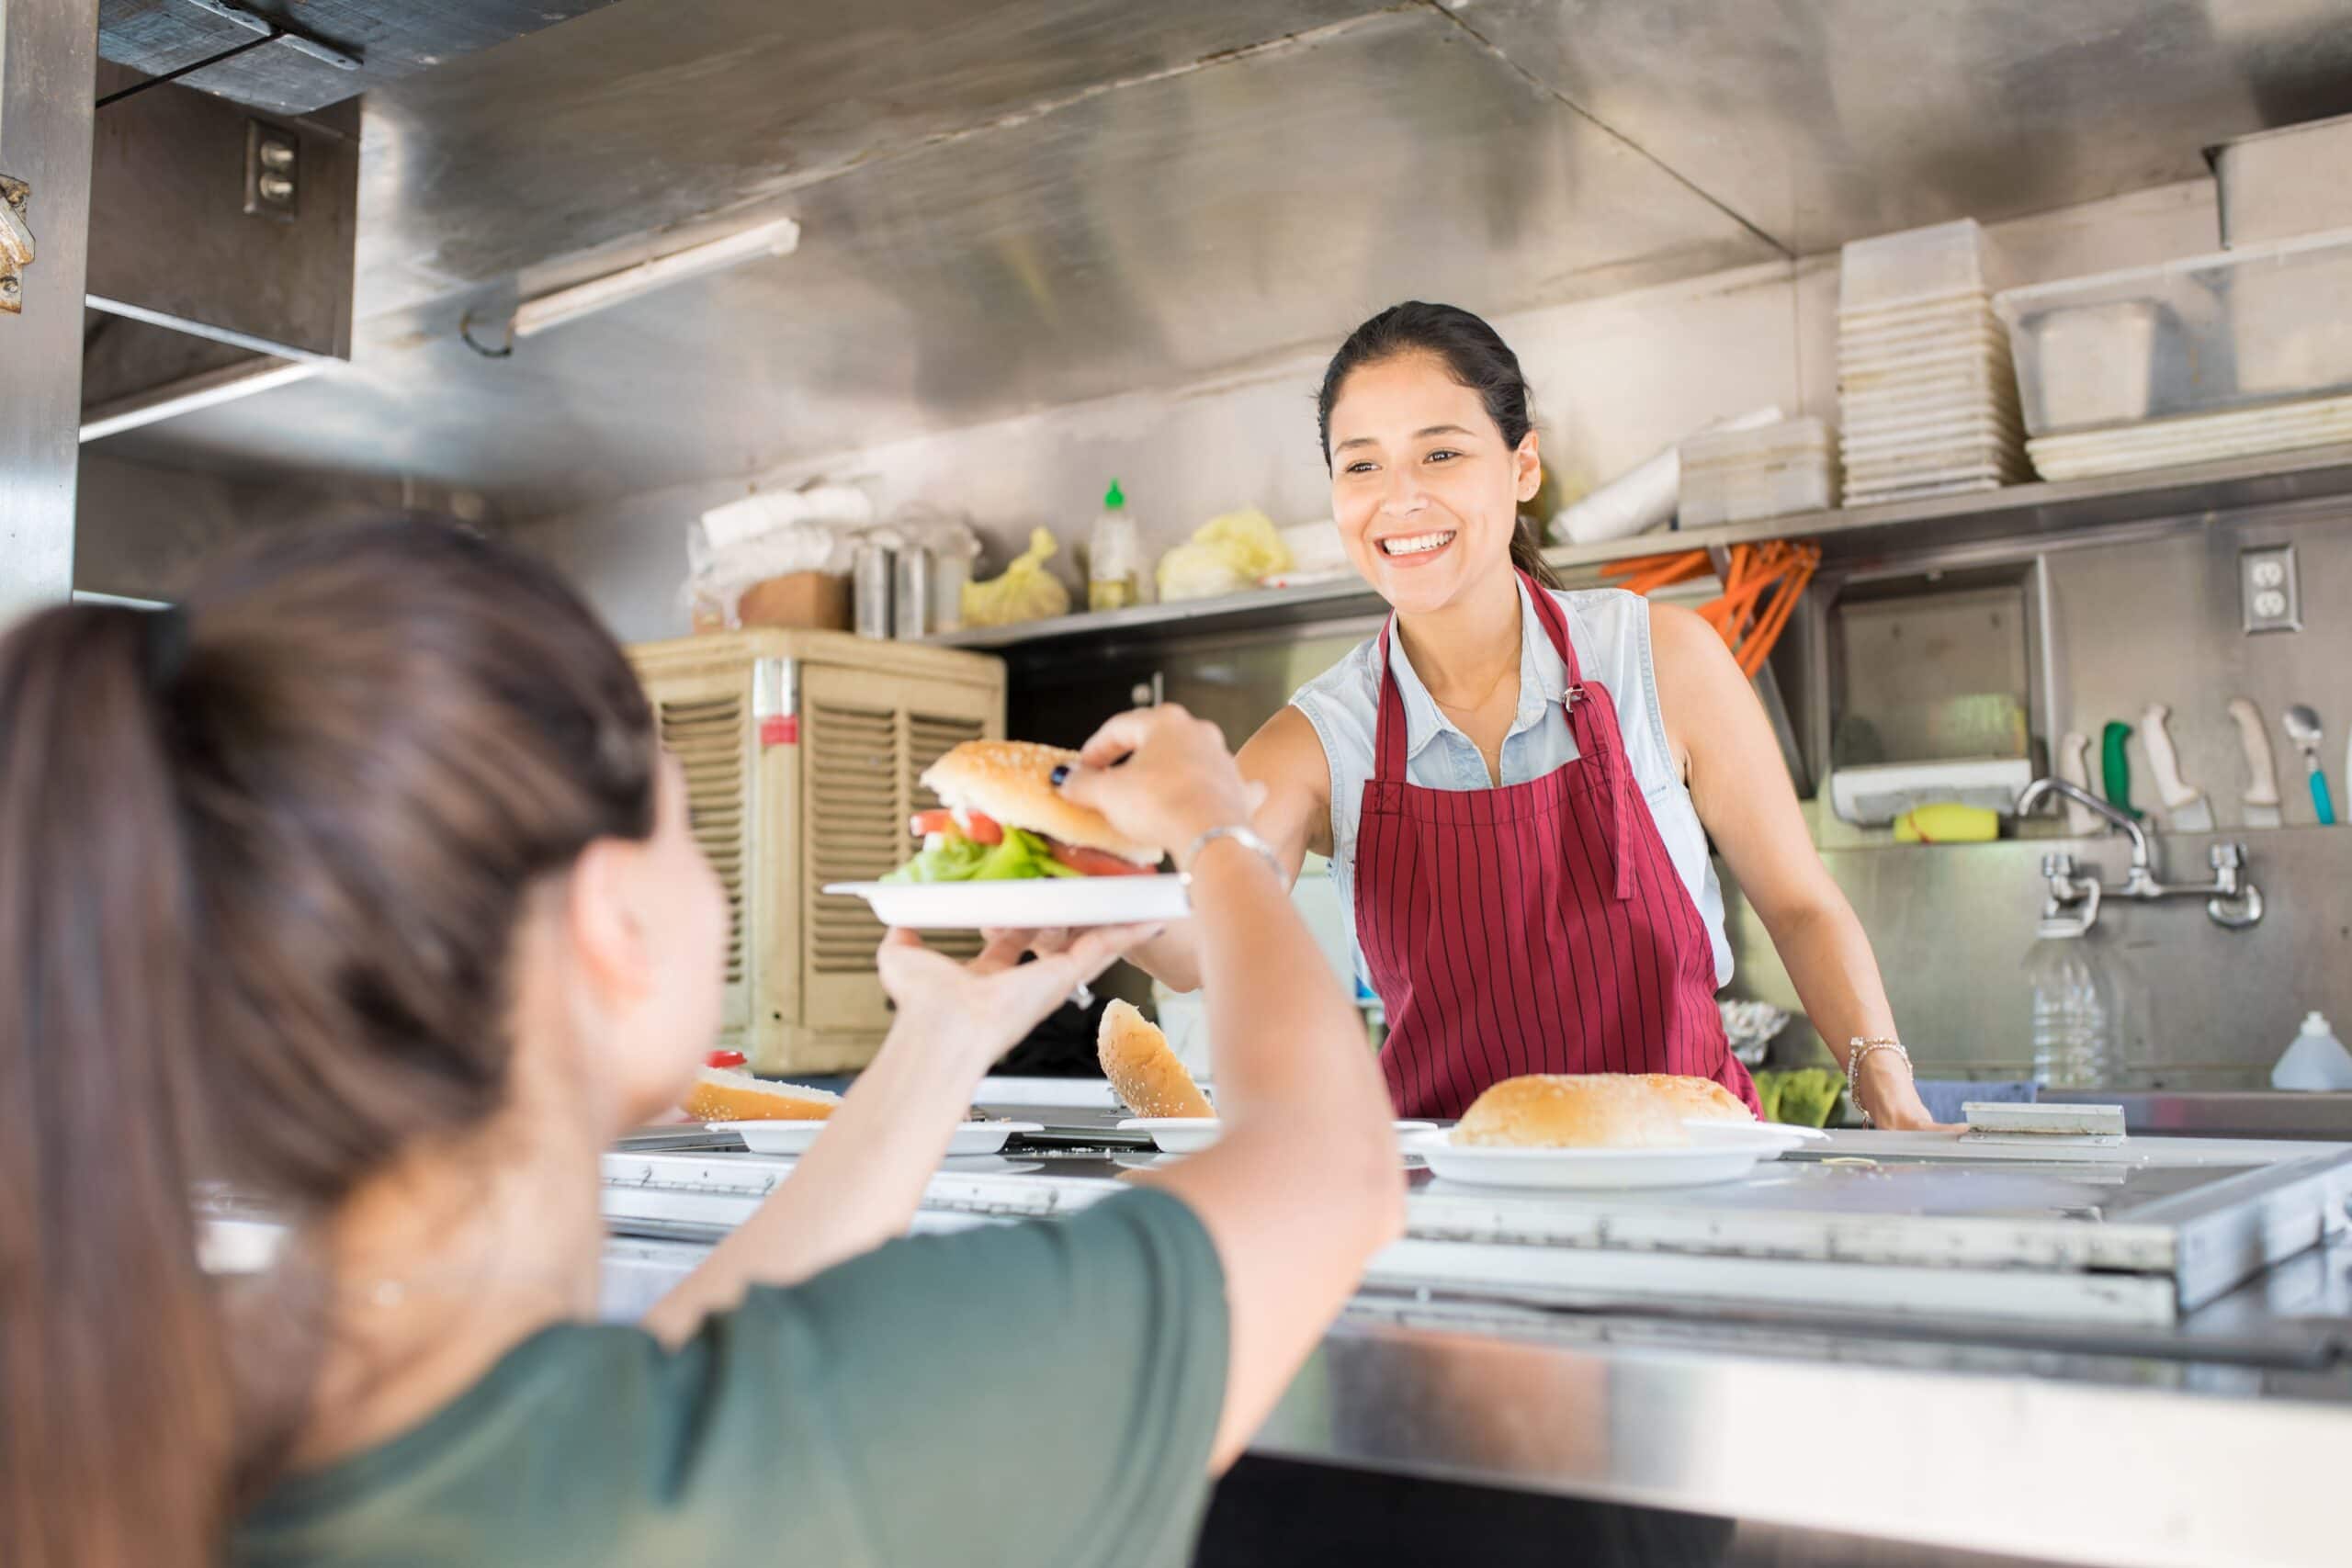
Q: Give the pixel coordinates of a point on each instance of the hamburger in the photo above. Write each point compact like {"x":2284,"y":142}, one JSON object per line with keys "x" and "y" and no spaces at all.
{"x":1601,"y":1110}
{"x":1000,"y":818}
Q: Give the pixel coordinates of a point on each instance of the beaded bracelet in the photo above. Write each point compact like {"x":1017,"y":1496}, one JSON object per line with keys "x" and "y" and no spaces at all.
{"x":1858,"y":1051}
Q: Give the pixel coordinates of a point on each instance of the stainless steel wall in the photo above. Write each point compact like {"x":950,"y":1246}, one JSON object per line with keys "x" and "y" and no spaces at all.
{"x":48,"y":53}
{"x":2135,"y":618}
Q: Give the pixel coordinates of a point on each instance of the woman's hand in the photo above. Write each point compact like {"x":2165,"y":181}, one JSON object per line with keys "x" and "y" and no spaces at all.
{"x":1887,"y":1093}
{"x":1162,"y":777}
{"x":981,"y":1010}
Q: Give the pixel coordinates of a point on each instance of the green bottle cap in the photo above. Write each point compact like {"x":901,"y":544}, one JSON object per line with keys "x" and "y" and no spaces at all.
{"x":1116,"y":498}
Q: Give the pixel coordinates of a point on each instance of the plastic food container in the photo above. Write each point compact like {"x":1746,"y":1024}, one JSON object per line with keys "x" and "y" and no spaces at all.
{"x":2277,"y":185}
{"x":2262,"y":324}
{"x":1917,"y":267}
{"x":1732,"y":476}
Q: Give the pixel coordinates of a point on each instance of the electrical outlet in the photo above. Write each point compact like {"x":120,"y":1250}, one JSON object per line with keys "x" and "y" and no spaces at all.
{"x":273,"y":171}
{"x":2269,"y":594}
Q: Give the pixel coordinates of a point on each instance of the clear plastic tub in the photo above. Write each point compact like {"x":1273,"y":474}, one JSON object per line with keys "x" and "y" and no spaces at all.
{"x":1717,"y":494}
{"x":1916,"y":266}
{"x":2262,"y":324}
{"x":1732,"y":476}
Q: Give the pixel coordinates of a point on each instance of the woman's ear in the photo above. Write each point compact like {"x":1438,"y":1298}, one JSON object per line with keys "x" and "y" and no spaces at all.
{"x":603,"y":924}
{"x":1527,"y":468}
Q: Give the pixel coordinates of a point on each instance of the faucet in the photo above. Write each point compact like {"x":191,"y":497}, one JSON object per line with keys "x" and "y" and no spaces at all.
{"x":2231,"y":900}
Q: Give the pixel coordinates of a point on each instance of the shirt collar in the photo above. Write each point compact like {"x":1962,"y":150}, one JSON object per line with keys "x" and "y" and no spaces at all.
{"x":1542,"y":682}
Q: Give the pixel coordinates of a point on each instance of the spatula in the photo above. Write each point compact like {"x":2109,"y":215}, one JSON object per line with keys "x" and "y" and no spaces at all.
{"x":2185,"y":805}
{"x":2262,"y":775}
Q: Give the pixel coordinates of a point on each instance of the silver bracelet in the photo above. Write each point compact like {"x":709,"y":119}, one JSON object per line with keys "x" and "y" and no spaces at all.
{"x":1247,"y":837}
{"x":1858,"y":1051}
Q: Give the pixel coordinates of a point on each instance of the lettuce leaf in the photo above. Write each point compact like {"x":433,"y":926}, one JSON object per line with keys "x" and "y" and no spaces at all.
{"x":957,"y":859}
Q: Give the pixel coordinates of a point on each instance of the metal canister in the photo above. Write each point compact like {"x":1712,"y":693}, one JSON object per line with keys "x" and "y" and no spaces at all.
{"x":872,"y":571}
{"x":911,"y":617}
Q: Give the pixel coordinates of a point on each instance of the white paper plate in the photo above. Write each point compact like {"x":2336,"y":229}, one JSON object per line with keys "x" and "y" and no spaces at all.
{"x":1190,"y":1134}
{"x":1698,"y":1166}
{"x":1031,"y":902}
{"x":793,"y":1138}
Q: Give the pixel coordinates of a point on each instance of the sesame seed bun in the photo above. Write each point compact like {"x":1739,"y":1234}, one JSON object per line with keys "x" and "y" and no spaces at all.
{"x":722,"y":1094}
{"x":1606,"y":1110}
{"x":1012,"y":781}
{"x":1145,"y":1072}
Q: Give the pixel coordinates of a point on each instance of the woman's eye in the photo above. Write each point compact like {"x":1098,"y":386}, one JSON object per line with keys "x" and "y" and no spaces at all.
{"x":1442,"y":453}
{"x":1362,"y":468}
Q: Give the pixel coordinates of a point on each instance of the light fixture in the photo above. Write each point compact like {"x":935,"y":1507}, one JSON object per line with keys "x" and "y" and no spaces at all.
{"x":532,"y":316}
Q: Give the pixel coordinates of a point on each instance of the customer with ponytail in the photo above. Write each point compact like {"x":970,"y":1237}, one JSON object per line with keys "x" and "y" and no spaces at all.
{"x":359,"y":888}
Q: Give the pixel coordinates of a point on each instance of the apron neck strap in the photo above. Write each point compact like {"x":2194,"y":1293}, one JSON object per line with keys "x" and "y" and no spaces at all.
{"x":1388,"y":736}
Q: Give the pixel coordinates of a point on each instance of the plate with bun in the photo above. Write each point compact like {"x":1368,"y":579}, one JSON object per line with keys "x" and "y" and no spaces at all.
{"x":1004,"y":847}
{"x":1602,"y":1129}
{"x":1150,"y":1081}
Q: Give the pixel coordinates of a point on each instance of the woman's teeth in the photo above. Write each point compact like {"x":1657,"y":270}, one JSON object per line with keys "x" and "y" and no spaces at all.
{"x":1419,"y":545}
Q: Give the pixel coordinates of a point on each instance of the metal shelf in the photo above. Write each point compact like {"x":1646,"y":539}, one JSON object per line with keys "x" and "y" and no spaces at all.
{"x":1851,"y":534}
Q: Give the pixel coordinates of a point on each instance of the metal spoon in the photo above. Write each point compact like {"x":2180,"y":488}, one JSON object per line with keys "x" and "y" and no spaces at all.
{"x":2303,"y":729}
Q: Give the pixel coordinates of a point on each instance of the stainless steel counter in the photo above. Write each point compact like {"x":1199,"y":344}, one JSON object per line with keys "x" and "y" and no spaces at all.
{"x":2265,"y":1113}
{"x":2213,"y":1434}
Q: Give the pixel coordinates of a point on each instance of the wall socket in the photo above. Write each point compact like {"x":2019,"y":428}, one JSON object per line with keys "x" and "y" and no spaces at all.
{"x":273,"y":171}
{"x":2270,"y":598}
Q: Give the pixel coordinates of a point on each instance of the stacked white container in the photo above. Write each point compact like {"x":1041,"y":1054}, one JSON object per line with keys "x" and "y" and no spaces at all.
{"x":1926,"y":393}
{"x":1731,"y":476}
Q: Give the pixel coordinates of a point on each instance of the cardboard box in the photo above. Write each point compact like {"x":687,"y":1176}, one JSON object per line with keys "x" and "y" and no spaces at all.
{"x":815,"y":600}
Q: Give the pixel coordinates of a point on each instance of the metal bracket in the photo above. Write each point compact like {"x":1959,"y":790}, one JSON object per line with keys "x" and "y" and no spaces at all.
{"x":17,"y":247}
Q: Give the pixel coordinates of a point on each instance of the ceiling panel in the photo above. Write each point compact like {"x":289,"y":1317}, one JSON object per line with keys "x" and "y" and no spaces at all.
{"x":661,"y":112}
{"x":1132,"y":238}
{"x":1827,"y":120}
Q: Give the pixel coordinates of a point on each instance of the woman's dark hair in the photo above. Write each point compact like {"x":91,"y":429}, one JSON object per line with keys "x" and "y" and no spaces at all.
{"x":263,"y":860}
{"x":1473,"y":354}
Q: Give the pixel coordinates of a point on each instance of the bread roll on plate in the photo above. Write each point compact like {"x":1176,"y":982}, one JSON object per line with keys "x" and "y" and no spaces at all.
{"x":722,"y":1094}
{"x":1601,"y":1110}
{"x":1143,"y":1070}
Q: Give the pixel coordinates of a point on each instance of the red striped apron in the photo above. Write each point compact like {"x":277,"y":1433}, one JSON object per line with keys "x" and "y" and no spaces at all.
{"x":1530,"y":927}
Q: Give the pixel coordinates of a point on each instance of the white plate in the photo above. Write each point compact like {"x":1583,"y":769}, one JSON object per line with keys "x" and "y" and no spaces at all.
{"x":1698,"y":1166}
{"x":1190,"y":1134}
{"x":1030,"y":902}
{"x":793,"y":1138}
{"x":1774,"y":1136}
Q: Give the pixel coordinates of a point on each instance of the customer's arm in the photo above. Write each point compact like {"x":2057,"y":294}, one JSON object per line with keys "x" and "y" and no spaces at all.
{"x":859,"y":1184}
{"x":1305,"y":1185}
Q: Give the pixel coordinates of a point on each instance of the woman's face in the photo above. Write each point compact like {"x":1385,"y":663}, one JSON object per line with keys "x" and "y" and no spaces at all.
{"x":1425,"y":491}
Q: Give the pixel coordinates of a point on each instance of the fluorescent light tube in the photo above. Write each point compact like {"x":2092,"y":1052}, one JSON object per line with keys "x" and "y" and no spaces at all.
{"x":776,"y":239}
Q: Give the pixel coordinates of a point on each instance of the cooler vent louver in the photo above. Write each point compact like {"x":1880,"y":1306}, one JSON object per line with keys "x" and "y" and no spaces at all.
{"x":706,"y":735}
{"x":802,"y":752}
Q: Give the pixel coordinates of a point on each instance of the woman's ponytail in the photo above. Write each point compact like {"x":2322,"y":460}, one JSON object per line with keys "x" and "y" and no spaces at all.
{"x":117,"y":1431}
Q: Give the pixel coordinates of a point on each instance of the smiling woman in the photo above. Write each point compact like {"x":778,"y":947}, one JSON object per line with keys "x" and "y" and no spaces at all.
{"x":1518,"y":785}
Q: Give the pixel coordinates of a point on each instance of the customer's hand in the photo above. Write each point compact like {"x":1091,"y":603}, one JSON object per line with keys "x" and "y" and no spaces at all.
{"x":1162,"y":777}
{"x":981,"y":1010}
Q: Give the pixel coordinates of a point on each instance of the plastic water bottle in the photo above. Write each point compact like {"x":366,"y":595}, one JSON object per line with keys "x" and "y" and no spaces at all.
{"x":2074,"y":1010}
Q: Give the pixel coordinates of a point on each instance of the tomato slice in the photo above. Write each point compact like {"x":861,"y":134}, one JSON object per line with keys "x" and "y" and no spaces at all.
{"x":925,"y":823}
{"x":1095,"y":862}
{"x":981,"y":829}
{"x":727,"y":1058}
{"x":975,"y":827}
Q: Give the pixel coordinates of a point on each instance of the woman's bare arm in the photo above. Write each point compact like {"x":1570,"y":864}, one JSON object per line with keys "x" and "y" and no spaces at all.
{"x":1284,"y":760}
{"x":1304,"y":1184}
{"x":859,"y":1184}
{"x":1740,"y":785}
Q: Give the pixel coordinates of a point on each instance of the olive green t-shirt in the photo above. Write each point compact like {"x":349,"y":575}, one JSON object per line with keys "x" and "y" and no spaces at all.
{"x":1041,"y":1394}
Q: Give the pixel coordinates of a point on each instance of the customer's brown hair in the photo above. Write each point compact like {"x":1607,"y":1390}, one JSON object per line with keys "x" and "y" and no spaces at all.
{"x":262,"y":859}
